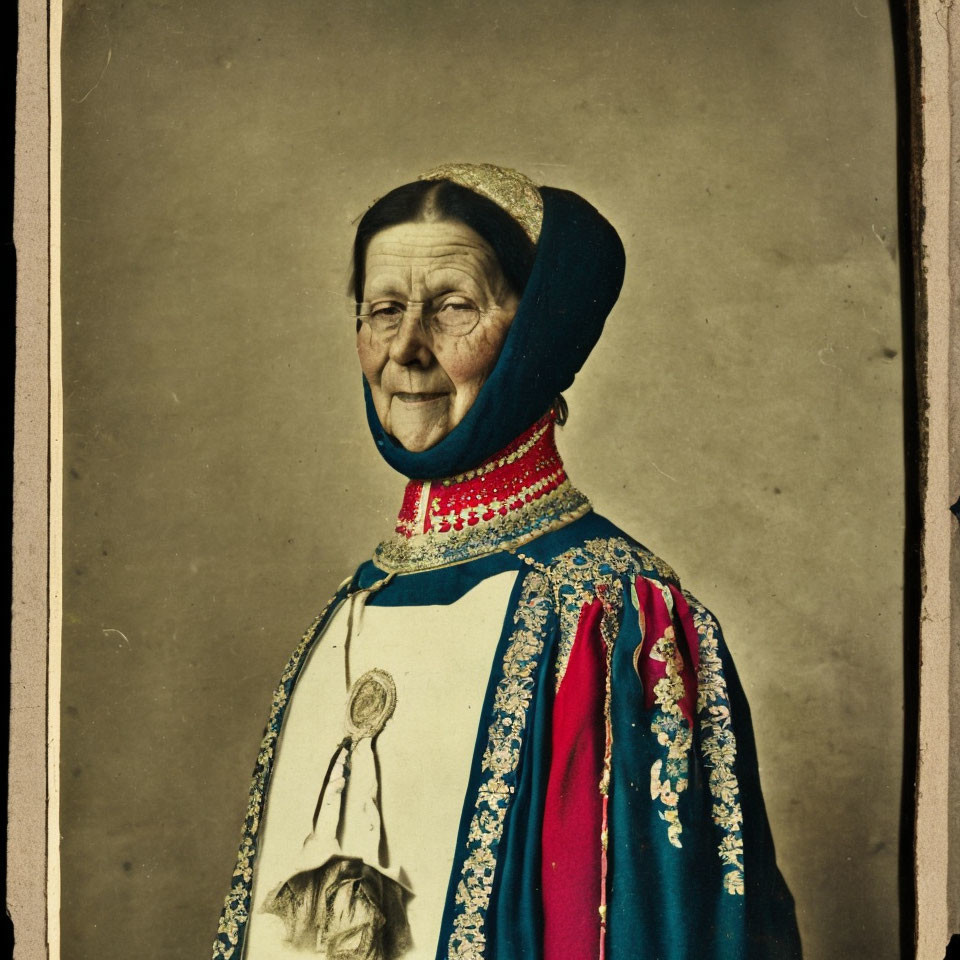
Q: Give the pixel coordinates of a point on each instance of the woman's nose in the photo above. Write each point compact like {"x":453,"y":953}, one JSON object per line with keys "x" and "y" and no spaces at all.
{"x":411,"y":343}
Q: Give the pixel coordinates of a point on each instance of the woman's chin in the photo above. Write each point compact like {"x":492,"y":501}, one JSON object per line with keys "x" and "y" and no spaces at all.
{"x":417,"y":443}
{"x":418,"y":433}
{"x":417,"y":437}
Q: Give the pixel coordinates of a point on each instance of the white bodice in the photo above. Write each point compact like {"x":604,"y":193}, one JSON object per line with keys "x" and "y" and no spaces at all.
{"x":440,"y":658}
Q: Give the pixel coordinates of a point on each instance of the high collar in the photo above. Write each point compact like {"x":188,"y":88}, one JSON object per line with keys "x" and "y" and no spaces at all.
{"x":516,"y":495}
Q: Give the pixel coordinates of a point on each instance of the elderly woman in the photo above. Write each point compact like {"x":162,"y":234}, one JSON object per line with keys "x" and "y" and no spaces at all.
{"x":511,"y":733}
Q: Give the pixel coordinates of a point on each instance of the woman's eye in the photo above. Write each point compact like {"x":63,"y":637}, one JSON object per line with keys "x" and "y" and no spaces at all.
{"x":456,"y":306}
{"x":386,"y":311}
{"x":456,"y":317}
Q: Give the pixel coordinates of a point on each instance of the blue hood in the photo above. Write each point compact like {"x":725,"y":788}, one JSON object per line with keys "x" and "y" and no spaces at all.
{"x":575,"y":281}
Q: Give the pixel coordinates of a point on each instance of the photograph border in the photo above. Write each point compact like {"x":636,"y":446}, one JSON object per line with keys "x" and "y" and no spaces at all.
{"x":927,"y":36}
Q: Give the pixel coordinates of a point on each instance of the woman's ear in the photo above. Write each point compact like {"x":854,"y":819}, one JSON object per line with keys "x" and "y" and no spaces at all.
{"x":561,"y":412}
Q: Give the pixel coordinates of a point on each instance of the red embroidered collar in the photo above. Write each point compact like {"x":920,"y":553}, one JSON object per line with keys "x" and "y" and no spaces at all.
{"x":517,"y":495}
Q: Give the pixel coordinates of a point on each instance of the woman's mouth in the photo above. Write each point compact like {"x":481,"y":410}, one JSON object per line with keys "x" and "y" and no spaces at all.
{"x":418,"y":397}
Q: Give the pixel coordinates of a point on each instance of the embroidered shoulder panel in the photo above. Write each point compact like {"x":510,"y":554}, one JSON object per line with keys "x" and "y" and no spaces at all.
{"x":599,"y":568}
{"x":576,"y":573}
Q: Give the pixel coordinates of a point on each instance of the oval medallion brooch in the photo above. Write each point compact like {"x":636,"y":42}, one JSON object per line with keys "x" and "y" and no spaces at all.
{"x":370,"y":705}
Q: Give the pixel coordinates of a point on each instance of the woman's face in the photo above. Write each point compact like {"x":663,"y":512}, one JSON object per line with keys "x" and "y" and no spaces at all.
{"x":423,"y":382}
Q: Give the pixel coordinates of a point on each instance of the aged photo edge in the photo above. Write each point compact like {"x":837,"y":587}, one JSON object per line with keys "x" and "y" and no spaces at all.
{"x":33,"y":823}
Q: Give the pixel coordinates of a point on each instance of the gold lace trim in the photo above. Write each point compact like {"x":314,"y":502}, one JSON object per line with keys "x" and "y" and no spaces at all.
{"x":508,"y":189}
{"x":433,"y":549}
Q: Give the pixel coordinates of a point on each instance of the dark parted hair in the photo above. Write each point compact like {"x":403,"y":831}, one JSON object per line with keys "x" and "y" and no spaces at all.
{"x":514,"y":250}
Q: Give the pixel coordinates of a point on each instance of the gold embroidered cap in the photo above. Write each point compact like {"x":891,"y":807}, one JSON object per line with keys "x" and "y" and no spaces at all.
{"x":508,"y":189}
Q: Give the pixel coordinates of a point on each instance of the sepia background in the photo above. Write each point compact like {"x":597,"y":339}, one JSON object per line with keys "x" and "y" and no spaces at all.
{"x":741,"y":415}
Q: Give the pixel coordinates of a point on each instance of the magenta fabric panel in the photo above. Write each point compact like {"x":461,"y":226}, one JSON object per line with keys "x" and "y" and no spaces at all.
{"x":572,"y":820}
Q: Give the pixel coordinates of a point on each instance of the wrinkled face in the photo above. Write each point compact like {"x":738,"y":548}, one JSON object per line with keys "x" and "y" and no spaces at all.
{"x":423,"y":381}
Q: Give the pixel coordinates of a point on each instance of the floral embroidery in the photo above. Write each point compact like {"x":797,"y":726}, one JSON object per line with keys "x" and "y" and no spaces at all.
{"x":236,"y":907}
{"x":668,"y":778}
{"x":577,"y":572}
{"x":499,"y":767}
{"x":575,"y":576}
{"x":719,"y":747}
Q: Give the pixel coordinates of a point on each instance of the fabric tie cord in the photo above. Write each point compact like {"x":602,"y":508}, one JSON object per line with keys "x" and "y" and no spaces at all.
{"x":341,"y":899}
